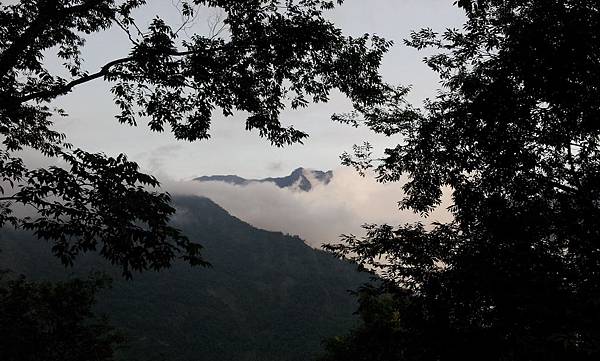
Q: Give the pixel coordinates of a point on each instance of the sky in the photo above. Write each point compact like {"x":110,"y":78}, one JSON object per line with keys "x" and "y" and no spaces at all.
{"x":318,"y":216}
{"x":233,"y":150}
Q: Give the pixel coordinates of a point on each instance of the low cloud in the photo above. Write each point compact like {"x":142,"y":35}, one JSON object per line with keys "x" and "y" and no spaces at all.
{"x":319,"y":216}
{"x":275,"y":166}
{"x":157,"y":158}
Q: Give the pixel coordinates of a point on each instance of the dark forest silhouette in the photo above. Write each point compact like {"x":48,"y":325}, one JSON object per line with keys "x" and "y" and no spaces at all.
{"x":513,"y":136}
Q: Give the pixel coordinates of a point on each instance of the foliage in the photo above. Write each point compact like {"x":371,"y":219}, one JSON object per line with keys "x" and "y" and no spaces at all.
{"x":268,"y":55}
{"x":513,"y":136}
{"x":381,"y":326}
{"x":43,"y":321}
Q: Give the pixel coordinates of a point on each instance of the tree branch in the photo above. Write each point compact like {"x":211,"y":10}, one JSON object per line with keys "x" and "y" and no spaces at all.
{"x":63,"y":89}
{"x":563,"y":187}
{"x":48,"y":13}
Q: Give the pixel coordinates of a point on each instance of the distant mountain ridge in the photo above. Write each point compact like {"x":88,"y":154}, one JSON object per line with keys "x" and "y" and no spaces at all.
{"x":301,"y":179}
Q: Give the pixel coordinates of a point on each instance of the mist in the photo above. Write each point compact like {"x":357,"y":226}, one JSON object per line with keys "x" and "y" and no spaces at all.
{"x":319,"y":216}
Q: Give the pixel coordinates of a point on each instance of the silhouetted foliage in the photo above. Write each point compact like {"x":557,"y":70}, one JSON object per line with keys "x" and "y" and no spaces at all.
{"x":43,"y":321}
{"x":270,"y":54}
{"x":513,"y":136}
{"x":382,"y":334}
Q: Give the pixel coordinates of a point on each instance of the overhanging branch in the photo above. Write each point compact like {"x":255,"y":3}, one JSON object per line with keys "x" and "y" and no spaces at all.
{"x":63,"y":89}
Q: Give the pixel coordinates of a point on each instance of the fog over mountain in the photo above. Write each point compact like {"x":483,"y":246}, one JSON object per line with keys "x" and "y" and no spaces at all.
{"x":300,"y":179}
{"x":338,"y":205}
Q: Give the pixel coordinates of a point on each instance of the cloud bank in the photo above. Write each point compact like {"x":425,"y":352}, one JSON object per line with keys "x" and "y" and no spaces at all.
{"x":319,"y":216}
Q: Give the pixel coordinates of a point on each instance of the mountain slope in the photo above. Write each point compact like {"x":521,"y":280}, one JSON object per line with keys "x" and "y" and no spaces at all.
{"x":300,"y":178}
{"x":268,"y":296}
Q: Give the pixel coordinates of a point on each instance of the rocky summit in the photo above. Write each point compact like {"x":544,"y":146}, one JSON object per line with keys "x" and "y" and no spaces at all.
{"x":301,"y":179}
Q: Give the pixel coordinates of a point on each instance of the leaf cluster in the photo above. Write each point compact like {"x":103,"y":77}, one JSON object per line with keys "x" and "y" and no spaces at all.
{"x":512,"y":138}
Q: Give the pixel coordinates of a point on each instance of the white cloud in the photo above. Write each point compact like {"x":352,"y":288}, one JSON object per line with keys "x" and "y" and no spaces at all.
{"x":319,"y":216}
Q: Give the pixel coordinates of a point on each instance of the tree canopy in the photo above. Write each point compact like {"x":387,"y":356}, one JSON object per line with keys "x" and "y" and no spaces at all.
{"x":269,"y":55}
{"x":54,"y":321}
{"x":513,"y":136}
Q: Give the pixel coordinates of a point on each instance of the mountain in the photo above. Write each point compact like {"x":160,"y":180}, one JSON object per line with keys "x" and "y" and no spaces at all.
{"x":300,"y":178}
{"x":268,"y":296}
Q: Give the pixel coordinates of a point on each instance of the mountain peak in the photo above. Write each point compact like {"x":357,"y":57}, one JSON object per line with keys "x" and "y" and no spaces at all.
{"x":301,"y":179}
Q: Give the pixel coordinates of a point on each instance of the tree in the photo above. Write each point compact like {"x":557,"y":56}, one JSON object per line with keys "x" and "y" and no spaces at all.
{"x":513,"y":136}
{"x":380,"y":334}
{"x":270,"y":54}
{"x":53,"y":321}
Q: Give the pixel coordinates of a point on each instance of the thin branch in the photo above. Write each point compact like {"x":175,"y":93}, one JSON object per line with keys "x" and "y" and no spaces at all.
{"x":126,"y":30}
{"x":186,"y":19}
{"x":105,"y":70}
{"x":137,"y":28}
{"x":63,"y":89}
{"x":217,"y":19}
{"x":563,"y":187}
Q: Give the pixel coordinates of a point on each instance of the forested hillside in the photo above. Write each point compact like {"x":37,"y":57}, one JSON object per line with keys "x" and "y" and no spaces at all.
{"x":268,"y":296}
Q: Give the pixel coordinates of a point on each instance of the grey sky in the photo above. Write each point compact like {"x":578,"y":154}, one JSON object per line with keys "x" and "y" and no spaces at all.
{"x":232,"y":150}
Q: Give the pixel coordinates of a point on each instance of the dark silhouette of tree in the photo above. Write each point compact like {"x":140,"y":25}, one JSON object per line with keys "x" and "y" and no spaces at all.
{"x":53,"y":321}
{"x":514,"y":137}
{"x":269,"y":55}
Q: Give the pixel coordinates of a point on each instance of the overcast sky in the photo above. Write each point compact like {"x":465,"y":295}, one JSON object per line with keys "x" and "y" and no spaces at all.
{"x":232,"y":150}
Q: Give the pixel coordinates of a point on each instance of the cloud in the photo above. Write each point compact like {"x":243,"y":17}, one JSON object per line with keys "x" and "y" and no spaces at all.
{"x":319,"y":216}
{"x":157,"y":158}
{"x":276,"y":166}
